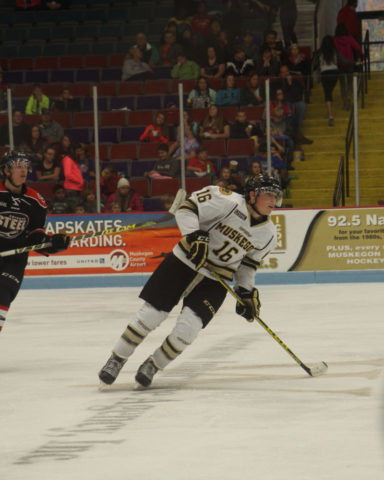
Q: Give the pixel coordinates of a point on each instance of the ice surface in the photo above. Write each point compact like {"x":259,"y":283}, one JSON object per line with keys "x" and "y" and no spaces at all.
{"x":234,"y":406}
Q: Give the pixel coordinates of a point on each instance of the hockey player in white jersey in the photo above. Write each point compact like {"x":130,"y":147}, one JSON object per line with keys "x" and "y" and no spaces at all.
{"x":222,"y":231}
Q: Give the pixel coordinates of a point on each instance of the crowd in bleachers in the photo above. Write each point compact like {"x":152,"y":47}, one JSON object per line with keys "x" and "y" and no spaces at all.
{"x":222,"y":67}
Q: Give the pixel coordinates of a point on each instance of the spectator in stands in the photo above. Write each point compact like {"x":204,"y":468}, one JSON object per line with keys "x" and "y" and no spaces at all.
{"x":85,"y":162}
{"x":232,"y":20}
{"x":244,"y":128}
{"x":157,"y":132}
{"x":348,"y":49}
{"x":294,"y":94}
{"x":66,"y":102}
{"x":255,"y":170}
{"x":73,"y":180}
{"x":166,"y":166}
{"x":329,"y":73}
{"x":185,"y":69}
{"x":268,"y":65}
{"x":37,"y":101}
{"x":114,"y":208}
{"x":108,"y":181}
{"x":212,"y":37}
{"x":201,"y":20}
{"x":126,"y":197}
{"x":3,"y":94}
{"x":180,"y":19}
{"x":214,"y":125}
{"x":239,"y":65}
{"x":66,"y":147}
{"x":51,"y":131}
{"x":265,"y":9}
{"x":298,"y":62}
{"x":90,"y":203}
{"x":201,"y":96}
{"x":252,"y":93}
{"x":21,"y":131}
{"x":230,"y":94}
{"x":200,"y":166}
{"x":190,"y":142}
{"x":35,"y":144}
{"x":48,"y":169}
{"x":149,"y":52}
{"x":59,"y":204}
{"x":276,"y":46}
{"x":250,"y":45}
{"x":212,"y":66}
{"x":278,"y":165}
{"x":134,"y":68}
{"x":191,"y":44}
{"x":347,"y":15}
{"x":226,"y":180}
{"x":224,"y":47}
{"x":79,"y":209}
{"x":56,"y":4}
{"x":169,"y":49}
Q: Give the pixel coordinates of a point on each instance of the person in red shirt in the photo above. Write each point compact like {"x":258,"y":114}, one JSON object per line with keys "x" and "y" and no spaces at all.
{"x":201,"y":20}
{"x":347,"y":15}
{"x":158,"y":132}
{"x":199,"y":165}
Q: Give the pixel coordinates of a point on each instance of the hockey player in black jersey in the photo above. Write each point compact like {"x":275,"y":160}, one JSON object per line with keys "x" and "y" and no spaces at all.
{"x":22,"y":221}
{"x":224,"y":232}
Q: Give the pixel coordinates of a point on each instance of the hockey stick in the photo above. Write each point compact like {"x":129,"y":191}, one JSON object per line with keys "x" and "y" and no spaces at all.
{"x":314,"y":370}
{"x":180,"y":197}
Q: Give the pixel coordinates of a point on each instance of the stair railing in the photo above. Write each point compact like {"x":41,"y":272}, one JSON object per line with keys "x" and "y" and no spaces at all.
{"x":339,"y":191}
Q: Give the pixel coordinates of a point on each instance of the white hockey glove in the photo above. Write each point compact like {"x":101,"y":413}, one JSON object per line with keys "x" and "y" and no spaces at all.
{"x":251,"y":303}
{"x":199,"y":247}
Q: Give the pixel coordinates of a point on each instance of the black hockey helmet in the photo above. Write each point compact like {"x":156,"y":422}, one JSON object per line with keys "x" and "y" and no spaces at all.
{"x":11,"y":158}
{"x":264,"y":183}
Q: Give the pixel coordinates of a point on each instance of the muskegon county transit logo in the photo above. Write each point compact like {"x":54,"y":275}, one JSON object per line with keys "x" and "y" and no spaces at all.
{"x":118,"y":260}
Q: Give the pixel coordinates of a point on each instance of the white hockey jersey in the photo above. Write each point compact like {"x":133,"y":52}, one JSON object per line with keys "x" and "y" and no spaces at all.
{"x":236,"y":247}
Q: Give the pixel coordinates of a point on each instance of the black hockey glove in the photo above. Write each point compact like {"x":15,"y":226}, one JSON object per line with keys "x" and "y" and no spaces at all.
{"x":59,"y":242}
{"x":199,"y":247}
{"x":250,"y":299}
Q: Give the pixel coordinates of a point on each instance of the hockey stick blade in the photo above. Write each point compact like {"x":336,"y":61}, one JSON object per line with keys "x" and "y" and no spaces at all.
{"x":316,"y":369}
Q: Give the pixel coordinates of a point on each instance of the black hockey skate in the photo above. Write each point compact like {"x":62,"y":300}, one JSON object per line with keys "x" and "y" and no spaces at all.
{"x":111,"y":369}
{"x":146,"y":372}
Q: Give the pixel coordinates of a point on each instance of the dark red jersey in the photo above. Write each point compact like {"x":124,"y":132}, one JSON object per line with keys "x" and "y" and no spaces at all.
{"x":22,"y":218}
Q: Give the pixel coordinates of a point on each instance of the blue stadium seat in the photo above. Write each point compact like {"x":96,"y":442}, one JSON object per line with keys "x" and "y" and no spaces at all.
{"x":130,"y":134}
{"x":63,"y":76}
{"x":138,"y":167}
{"x":111,"y":74}
{"x":108,"y":135}
{"x":79,"y":134}
{"x":36,"y":76}
{"x":150,"y":102}
{"x":118,"y":103}
{"x":102,"y":103}
{"x":153,"y":205}
{"x":55,"y":49}
{"x":88,"y":75}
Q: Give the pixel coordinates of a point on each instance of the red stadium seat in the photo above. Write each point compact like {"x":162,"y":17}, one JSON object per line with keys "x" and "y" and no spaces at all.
{"x":152,"y":87}
{"x":215,"y":83}
{"x":230,"y":113}
{"x":63,"y":118}
{"x":172,"y":116}
{"x":44,"y":188}
{"x":123,"y":151}
{"x":83,"y":119}
{"x":109,"y":119}
{"x":193,"y":184}
{"x":164,"y":187}
{"x":22,"y":90}
{"x":46,"y":63}
{"x":103,"y":152}
{"x":80,"y":89}
{"x":253,"y":113}
{"x":142,"y":117}
{"x":188,"y":85}
{"x":21,"y":64}
{"x":3,"y":150}
{"x":131,"y":88}
{"x":32,"y":119}
{"x":96,"y":61}
{"x":116,"y":60}
{"x":53,"y":89}
{"x":71,"y":62}
{"x":198,"y":114}
{"x":141,"y":186}
{"x":215,"y":148}
{"x":106,"y":89}
{"x":237,"y":147}
{"x":148,"y":150}
{"x":3,"y":119}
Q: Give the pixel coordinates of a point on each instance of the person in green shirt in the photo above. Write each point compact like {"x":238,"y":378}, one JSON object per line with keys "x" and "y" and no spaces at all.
{"x":185,"y":69}
{"x":37,"y":101}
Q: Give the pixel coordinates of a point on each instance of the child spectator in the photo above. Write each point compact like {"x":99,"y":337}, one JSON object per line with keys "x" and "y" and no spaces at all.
{"x":190,"y":141}
{"x":244,"y":128}
{"x":108,"y":181}
{"x":200,"y":166}
{"x":212,"y":66}
{"x":114,"y":208}
{"x":255,"y":170}
{"x":230,"y":94}
{"x":165,"y":166}
{"x":85,"y":162}
{"x":66,"y":102}
{"x":80,"y":209}
{"x":37,"y":101}
{"x":48,"y":169}
{"x":90,"y":203}
{"x":58,"y":204}
{"x":158,"y":132}
{"x":226,"y":180}
{"x":126,"y":197}
{"x":252,"y":93}
{"x":51,"y":131}
{"x":214,"y":125}
{"x":201,"y":96}
{"x":185,"y":69}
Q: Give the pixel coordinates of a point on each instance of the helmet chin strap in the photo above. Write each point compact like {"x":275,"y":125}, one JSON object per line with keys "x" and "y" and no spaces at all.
{"x":10,"y":180}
